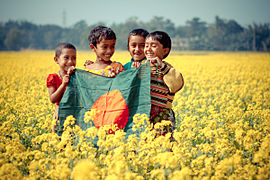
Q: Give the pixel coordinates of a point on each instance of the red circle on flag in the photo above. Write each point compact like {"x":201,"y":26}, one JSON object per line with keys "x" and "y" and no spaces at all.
{"x":111,"y":108}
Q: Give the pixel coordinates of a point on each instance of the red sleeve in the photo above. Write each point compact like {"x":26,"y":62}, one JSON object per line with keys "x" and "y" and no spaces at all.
{"x":51,"y":80}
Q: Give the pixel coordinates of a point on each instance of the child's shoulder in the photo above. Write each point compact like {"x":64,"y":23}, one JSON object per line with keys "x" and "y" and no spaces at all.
{"x":52,"y":76}
{"x":168,"y":64}
{"x":128,"y":65}
{"x":53,"y":79}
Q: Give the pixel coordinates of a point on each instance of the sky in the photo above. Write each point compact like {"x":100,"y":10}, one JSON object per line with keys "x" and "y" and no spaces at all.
{"x":68,"y":12}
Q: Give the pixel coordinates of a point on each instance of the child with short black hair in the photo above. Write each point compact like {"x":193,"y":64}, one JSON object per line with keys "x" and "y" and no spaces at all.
{"x":102,"y":41}
{"x":65,"y":57}
{"x":135,"y":45}
{"x":165,"y":80}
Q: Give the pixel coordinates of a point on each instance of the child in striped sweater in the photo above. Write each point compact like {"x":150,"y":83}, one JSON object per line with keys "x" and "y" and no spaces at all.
{"x":165,"y":80}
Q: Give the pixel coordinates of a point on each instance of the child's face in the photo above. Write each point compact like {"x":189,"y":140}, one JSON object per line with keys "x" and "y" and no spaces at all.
{"x":136,"y":47}
{"x":104,"y":50}
{"x":66,"y":59}
{"x":154,"y":48}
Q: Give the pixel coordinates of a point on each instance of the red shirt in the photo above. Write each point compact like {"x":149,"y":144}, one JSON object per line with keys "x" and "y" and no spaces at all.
{"x":55,"y":81}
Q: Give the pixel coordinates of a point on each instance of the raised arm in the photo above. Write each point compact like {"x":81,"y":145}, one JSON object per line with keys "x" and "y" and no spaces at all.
{"x":56,"y":94}
{"x":172,"y":78}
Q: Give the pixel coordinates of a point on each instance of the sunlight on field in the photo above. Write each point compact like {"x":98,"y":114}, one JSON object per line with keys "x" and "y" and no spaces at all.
{"x":222,"y":129}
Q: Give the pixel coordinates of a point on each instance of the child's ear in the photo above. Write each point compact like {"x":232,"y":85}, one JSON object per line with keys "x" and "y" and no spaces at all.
{"x":92,"y":47}
{"x":56,"y":59}
{"x":166,"y":50}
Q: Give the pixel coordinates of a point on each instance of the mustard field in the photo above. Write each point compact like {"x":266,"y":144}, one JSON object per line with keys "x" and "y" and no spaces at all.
{"x":222,"y":124}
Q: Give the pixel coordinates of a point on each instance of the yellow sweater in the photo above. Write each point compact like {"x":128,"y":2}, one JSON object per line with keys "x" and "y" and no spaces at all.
{"x":165,"y":83}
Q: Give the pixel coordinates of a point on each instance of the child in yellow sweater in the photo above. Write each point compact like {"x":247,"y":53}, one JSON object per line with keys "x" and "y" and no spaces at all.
{"x":165,"y":80}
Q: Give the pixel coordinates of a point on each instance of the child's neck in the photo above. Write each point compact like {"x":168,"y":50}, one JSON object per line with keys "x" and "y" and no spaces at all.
{"x":99,"y":64}
{"x":103,"y":62}
{"x":62,"y":73}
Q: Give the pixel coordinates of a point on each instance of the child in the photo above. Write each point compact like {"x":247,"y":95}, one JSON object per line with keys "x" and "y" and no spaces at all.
{"x":102,"y":41}
{"x":136,"y":42}
{"x":165,"y":80}
{"x":65,"y":57}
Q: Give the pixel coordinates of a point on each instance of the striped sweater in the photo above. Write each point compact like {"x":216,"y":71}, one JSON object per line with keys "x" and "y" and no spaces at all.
{"x":165,"y":83}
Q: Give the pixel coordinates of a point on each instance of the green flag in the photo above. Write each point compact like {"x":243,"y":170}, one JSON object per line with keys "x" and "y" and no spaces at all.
{"x":116,"y":100}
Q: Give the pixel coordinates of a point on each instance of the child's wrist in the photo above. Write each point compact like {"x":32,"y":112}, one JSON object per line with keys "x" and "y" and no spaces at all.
{"x":62,"y":85}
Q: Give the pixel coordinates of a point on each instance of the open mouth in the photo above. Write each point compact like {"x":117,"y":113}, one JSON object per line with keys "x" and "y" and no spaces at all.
{"x":150,"y":55}
{"x":137,"y":55}
{"x":108,"y":56}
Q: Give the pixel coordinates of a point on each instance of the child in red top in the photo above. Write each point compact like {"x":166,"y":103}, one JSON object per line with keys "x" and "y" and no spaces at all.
{"x":65,"y":56}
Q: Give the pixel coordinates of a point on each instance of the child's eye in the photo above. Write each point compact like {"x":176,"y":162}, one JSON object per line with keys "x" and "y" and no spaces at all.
{"x":141,"y":45}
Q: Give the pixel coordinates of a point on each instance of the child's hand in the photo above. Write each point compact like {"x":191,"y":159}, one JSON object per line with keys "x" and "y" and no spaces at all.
{"x":157,"y":62}
{"x":135,"y":64}
{"x":115,"y":70}
{"x":71,"y":70}
{"x":112,"y":75}
{"x":87,"y":63}
{"x":65,"y":80}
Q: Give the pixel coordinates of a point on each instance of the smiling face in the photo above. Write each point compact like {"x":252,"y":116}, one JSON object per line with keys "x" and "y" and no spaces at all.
{"x":136,"y":47}
{"x":66,"y":59}
{"x":154,"y":48}
{"x":104,"y":49}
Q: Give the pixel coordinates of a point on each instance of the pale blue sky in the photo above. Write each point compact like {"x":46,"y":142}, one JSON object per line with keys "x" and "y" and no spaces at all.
{"x":244,"y":12}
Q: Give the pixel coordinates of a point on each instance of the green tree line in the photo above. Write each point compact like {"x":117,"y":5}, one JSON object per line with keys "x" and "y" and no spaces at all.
{"x":221,"y":35}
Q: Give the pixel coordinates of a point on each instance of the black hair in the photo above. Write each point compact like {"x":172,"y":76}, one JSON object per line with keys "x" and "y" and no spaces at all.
{"x":100,"y":33}
{"x":163,"y":38}
{"x":61,"y":46}
{"x":138,"y":32}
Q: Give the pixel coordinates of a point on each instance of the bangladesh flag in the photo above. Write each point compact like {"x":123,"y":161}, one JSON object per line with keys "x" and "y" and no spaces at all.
{"x":116,"y":100}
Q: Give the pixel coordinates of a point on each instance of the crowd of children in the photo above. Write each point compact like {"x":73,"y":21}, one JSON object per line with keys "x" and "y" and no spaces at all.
{"x":143,"y":47}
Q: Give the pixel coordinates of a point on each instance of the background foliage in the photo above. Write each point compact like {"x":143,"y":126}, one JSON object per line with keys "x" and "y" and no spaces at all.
{"x":221,"y":35}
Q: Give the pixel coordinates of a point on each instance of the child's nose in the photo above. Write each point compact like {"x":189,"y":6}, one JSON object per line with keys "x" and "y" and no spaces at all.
{"x":111,"y":49}
{"x":147,"y":48}
{"x":70,"y":61}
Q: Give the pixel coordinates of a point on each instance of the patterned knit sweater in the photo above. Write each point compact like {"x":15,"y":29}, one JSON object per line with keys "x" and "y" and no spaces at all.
{"x":165,"y":83}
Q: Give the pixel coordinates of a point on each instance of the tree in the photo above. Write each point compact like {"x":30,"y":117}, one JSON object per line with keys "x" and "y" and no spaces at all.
{"x":196,"y":28}
{"x":50,"y":35}
{"x":123,"y":29}
{"x":2,"y":36}
{"x":74,"y":34}
{"x":196,"y":32}
{"x":16,"y":39}
{"x":160,"y":24}
{"x":223,"y":35}
{"x":260,"y":36}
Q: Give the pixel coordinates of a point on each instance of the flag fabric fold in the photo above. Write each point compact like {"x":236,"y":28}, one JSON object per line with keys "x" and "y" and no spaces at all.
{"x":115,"y":100}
